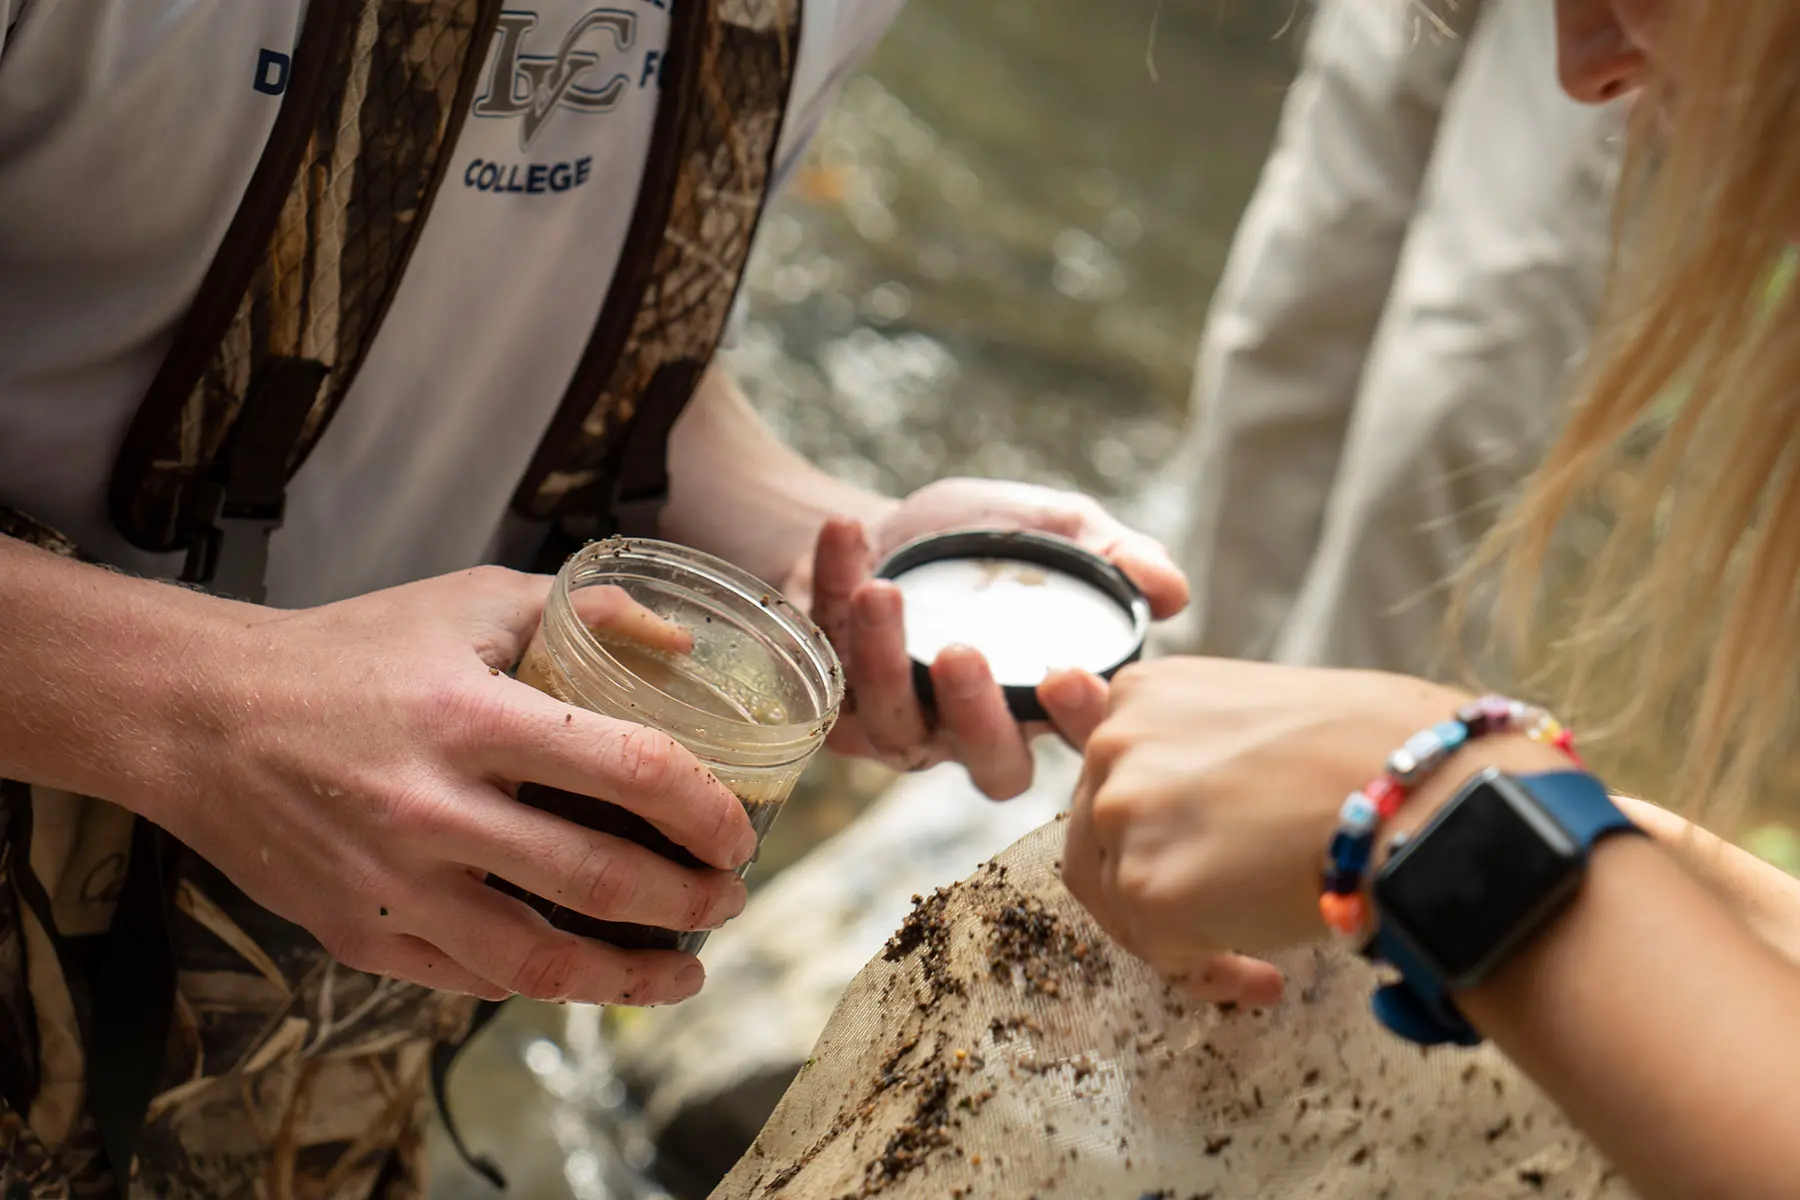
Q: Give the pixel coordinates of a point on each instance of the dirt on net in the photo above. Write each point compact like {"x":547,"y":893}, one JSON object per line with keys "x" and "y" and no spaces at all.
{"x":1002,"y":1048}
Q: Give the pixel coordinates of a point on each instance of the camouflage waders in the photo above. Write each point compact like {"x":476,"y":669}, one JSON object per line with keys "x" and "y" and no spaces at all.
{"x":150,"y":1013}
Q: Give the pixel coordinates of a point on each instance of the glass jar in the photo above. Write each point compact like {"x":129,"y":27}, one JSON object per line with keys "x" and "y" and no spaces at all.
{"x":753,"y":698}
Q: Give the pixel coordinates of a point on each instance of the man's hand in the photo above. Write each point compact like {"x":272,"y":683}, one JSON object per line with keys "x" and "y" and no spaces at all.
{"x":352,"y":769}
{"x":864,"y":619}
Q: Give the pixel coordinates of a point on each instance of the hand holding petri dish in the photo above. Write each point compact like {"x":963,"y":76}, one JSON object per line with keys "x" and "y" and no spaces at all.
{"x":1030,"y":603}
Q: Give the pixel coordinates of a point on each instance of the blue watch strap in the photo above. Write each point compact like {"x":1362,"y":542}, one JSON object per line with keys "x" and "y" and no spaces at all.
{"x":1579,"y":803}
{"x":1418,"y":1007}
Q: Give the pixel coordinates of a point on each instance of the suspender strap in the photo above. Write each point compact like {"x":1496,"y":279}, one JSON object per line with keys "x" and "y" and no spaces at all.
{"x":640,"y":485}
{"x":602,"y":465}
{"x":133,"y":1000}
{"x":18,"y":1048}
{"x":322,"y":38}
{"x":641,"y":482}
{"x":303,"y":280}
{"x":243,"y":501}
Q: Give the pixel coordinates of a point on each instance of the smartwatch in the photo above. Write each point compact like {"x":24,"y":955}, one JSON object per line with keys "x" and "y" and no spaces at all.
{"x":1490,"y":870}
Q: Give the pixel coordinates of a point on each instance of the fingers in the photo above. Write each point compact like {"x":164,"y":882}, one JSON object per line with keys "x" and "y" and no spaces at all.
{"x":1148,"y":565}
{"x":880,"y":674}
{"x":1076,"y":702}
{"x":417,"y":961}
{"x":1084,"y":860}
{"x":1140,"y":556}
{"x":841,"y":564}
{"x":1219,"y":979}
{"x":1233,"y":979}
{"x":632,"y":766}
{"x":509,"y":606}
{"x":973,"y":714}
{"x":611,"y":610}
{"x":594,"y":873}
{"x":500,"y":939}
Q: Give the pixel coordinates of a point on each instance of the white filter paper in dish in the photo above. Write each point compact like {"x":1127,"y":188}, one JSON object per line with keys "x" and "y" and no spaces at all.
{"x":1028,"y":620}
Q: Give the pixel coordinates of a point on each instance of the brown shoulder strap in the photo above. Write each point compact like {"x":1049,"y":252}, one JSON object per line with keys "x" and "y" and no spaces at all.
{"x":377,"y":94}
{"x":602,"y":464}
{"x":298,"y":290}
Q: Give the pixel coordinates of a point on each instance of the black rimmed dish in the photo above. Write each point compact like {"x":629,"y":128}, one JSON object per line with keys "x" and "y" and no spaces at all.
{"x":1031,"y":603}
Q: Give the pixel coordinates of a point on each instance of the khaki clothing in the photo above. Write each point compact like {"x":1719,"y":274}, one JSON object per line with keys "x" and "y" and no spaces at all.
{"x":1416,"y":272}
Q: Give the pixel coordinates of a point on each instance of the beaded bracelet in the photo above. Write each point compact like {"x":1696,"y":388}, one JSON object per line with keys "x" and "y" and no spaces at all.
{"x":1342,"y":903}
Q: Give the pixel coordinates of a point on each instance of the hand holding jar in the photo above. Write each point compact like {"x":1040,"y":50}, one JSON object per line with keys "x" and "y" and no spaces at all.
{"x":353,"y":767}
{"x":691,"y":648}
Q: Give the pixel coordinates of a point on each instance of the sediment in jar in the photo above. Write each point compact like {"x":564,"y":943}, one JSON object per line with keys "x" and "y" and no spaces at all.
{"x":762,"y":792}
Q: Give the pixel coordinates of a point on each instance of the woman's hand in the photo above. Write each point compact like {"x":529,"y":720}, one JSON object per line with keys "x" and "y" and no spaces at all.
{"x":1209,"y":794}
{"x":865,"y":621}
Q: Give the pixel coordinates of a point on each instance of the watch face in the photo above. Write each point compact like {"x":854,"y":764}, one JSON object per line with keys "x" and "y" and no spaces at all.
{"x":1478,"y":878}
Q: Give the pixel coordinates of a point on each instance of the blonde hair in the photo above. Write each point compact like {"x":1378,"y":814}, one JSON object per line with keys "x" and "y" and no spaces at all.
{"x":1687,"y":426}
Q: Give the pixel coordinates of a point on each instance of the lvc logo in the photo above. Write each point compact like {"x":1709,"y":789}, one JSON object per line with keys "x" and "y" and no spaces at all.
{"x":532,"y":86}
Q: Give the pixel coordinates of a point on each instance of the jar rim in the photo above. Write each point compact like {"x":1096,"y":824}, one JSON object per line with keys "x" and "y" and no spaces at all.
{"x":764,"y":612}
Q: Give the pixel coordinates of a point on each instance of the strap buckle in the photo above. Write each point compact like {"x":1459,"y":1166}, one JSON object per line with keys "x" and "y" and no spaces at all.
{"x":228,"y":553}
{"x":233,"y":510}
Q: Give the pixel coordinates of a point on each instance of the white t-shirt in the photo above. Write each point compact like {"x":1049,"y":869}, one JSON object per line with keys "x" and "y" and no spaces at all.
{"x":128,"y":131}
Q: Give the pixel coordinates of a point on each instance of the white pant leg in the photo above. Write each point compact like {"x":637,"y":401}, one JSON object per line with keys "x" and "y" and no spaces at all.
{"x":1494,"y":299}
{"x":1299,"y":302}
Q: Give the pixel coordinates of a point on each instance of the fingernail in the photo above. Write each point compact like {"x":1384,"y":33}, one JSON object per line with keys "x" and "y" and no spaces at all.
{"x":848,"y":529}
{"x":878,"y":603}
{"x":963,"y":669}
{"x":689,"y":982}
{"x":730,"y":911}
{"x":746,"y":851}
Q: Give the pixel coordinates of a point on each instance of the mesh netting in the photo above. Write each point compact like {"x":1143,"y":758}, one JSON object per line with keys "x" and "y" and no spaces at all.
{"x":1001,"y":1047}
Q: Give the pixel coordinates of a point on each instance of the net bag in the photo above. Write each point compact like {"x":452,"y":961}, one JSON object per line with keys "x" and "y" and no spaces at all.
{"x":1000,"y":1047}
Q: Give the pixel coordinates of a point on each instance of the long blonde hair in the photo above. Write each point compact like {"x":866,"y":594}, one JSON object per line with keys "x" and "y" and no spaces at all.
{"x":1688,"y":625}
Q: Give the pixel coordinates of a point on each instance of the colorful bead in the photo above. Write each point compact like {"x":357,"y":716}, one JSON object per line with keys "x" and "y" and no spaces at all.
{"x":1423,"y":753}
{"x":1425,"y":745}
{"x":1349,"y":852}
{"x":1387,"y":795}
{"x":1345,"y":914}
{"x":1358,"y":815}
{"x":1361,"y":815}
{"x":1499,"y":712}
{"x":1452,"y":735}
{"x":1474,"y":718}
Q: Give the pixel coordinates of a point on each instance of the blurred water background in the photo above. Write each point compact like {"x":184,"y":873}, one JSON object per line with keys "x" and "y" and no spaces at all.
{"x":998,"y":262}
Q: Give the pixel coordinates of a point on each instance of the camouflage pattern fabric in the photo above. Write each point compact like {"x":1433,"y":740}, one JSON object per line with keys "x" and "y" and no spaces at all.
{"x":397,"y":90}
{"x":285,"y":1074}
{"x":26,"y":528}
{"x":726,"y":158}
